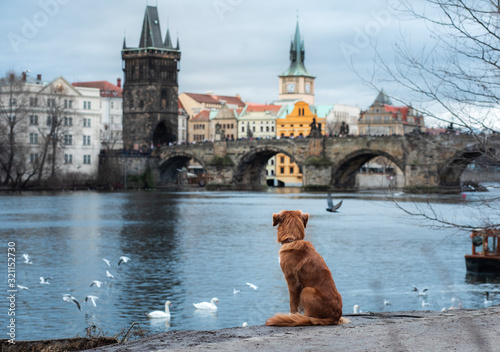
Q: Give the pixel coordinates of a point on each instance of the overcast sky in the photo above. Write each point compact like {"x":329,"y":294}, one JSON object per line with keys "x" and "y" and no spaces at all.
{"x":228,"y":46}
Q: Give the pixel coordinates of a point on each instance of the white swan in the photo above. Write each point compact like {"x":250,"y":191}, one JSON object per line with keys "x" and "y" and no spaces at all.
{"x":206,"y":305}
{"x":158,"y":314}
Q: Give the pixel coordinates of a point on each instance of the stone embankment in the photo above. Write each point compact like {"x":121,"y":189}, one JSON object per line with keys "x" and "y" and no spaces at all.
{"x":455,"y":330}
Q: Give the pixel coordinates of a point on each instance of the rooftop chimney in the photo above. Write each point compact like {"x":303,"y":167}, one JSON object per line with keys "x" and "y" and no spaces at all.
{"x":39,"y":77}
{"x":119,"y":82}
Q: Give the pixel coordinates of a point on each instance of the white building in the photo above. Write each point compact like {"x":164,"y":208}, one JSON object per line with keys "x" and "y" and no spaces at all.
{"x":111,"y":106}
{"x":260,"y":119}
{"x":52,"y":116}
{"x":344,"y":113}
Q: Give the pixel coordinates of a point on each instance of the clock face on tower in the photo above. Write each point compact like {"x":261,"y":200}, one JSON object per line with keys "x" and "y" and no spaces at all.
{"x":308,"y":88}
{"x":290,"y":87}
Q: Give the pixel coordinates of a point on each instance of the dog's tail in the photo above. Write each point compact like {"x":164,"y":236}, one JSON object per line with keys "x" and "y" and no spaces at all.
{"x":297,"y":319}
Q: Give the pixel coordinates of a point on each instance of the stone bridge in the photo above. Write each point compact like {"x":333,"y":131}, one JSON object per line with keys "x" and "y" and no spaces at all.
{"x":429,"y":163}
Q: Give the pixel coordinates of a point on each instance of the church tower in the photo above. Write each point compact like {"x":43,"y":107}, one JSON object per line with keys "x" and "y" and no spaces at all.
{"x":297,"y":82}
{"x":150,"y":105}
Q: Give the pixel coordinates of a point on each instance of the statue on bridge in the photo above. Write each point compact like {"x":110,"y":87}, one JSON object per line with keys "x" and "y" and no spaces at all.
{"x":344,"y":129}
{"x":315,"y":129}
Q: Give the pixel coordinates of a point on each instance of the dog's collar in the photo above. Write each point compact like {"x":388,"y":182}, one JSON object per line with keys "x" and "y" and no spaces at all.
{"x":288,"y":240}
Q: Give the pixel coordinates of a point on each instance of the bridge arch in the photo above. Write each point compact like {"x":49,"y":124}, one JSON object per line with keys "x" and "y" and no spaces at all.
{"x":172,"y":163}
{"x":452,"y":169}
{"x":250,"y":168}
{"x":344,"y":172}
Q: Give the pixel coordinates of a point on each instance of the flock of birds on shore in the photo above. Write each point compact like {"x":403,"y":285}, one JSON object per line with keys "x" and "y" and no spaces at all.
{"x":455,"y":302}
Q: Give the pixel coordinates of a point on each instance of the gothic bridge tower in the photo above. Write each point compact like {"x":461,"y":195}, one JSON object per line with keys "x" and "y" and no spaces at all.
{"x":150,"y":106}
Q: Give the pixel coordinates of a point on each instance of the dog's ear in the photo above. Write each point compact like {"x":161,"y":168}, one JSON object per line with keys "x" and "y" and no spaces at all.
{"x":277,"y":218}
{"x":305,"y":217}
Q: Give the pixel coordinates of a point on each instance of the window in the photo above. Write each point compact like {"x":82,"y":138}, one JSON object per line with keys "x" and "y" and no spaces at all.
{"x":282,"y":170}
{"x":267,"y":128}
{"x":66,"y":103}
{"x":86,"y":122}
{"x":12,"y":101}
{"x":112,"y":105}
{"x":291,"y":169}
{"x":33,"y":101}
{"x":68,"y":121}
{"x":70,"y":104}
{"x":85,"y":105}
{"x":33,"y":158}
{"x":262,"y":128}
{"x":86,"y":159}
{"x":33,"y":138}
{"x":282,"y":159}
{"x":86,"y":140}
{"x":49,"y":120}
{"x":51,"y":102}
{"x":272,"y":128}
{"x":68,"y":139}
{"x":232,"y":125}
{"x":253,"y":128}
{"x":242,"y":128}
{"x":68,"y":158}
{"x":34,"y":120}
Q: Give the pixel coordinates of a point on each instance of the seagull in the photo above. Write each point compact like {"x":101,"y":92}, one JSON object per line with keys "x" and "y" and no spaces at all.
{"x":235,"y":291}
{"x":108,"y":274}
{"x":420,"y":292}
{"x":245,"y":324}
{"x":356,"y":309}
{"x":45,"y":281}
{"x":332,"y":208}
{"x":252,"y":286}
{"x":425,"y":304}
{"x":92,"y":299}
{"x":27,"y":259}
{"x":21,"y":287}
{"x":96,"y":282}
{"x":123,"y":260}
{"x":106,"y":261}
{"x":206,"y":305}
{"x":158,"y":314}
{"x":387,"y":303}
{"x":69,"y":298}
{"x":487,"y":298}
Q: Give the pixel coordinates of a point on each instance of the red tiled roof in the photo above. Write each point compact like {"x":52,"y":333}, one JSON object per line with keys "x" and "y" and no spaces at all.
{"x":215,"y":99}
{"x":202,"y":116}
{"x":262,"y":107}
{"x":107,"y":89}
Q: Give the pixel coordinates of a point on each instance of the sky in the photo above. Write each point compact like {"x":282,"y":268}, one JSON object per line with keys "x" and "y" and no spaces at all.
{"x":228,"y":46}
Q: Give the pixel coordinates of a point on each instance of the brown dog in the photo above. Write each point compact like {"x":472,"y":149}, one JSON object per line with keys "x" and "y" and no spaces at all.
{"x":310,"y":283}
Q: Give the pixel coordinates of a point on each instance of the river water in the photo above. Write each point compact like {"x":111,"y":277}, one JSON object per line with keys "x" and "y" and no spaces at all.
{"x":188,"y":247}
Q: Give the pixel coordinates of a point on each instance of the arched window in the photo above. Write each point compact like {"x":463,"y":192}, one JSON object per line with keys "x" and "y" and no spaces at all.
{"x":164,"y":99}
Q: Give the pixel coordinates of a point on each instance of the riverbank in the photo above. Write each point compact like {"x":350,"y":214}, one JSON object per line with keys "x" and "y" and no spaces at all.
{"x":455,"y":330}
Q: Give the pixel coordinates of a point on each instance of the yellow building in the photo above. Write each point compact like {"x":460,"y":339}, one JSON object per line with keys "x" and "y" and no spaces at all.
{"x":300,"y":123}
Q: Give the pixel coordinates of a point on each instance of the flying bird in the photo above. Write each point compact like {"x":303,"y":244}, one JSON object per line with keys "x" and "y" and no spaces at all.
{"x":21,"y":287}
{"x":96,"y":282}
{"x":69,"y":298}
{"x":27,"y":259}
{"x":92,"y":299}
{"x":420,"y":292}
{"x":106,"y":261}
{"x":45,"y":281}
{"x":206,"y":305}
{"x":235,"y":291}
{"x":123,"y":260}
{"x":252,"y":286}
{"x":158,"y":314}
{"x":332,"y":208}
{"x":108,"y":274}
{"x":387,"y":303}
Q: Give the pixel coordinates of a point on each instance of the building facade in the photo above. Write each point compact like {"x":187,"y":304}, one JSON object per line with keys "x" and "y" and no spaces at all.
{"x":194,"y":103}
{"x":382,"y":118}
{"x":258,"y":121}
{"x":150,"y":90}
{"x":56,"y":129}
{"x":111,"y":106}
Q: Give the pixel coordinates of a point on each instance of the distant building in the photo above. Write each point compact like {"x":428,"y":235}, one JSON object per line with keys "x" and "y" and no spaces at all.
{"x":342,"y":113}
{"x":199,"y":127}
{"x":301,"y":122}
{"x":258,"y":121}
{"x":150,"y":102}
{"x":382,"y":118}
{"x":111,"y":124}
{"x":296,"y":83}
{"x":194,"y":103}
{"x":183,"y":124}
{"x":57,"y":126}
{"x":224,"y":121}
